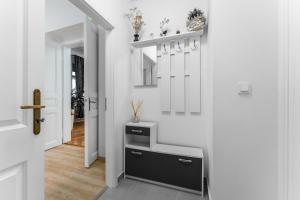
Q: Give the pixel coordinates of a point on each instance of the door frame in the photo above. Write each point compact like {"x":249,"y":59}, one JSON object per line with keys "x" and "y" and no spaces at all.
{"x":286,"y":102}
{"x":101,"y":22}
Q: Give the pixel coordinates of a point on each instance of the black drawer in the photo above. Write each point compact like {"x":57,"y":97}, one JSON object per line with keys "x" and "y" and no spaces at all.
{"x":175,"y":170}
{"x":134,"y":130}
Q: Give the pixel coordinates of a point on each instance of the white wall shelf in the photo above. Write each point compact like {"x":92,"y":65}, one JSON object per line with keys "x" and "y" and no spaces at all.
{"x":156,"y":41}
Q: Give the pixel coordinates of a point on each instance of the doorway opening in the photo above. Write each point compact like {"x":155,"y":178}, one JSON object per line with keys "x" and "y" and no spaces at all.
{"x":77,"y":97}
{"x":74,"y":96}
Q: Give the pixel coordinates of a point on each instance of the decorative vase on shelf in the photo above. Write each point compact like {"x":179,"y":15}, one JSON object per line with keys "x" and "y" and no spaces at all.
{"x":135,"y":119}
{"x":136,"y":19}
{"x":135,"y":106}
{"x":136,"y":37}
{"x":196,"y":24}
{"x":164,"y":27}
{"x":196,"y":20}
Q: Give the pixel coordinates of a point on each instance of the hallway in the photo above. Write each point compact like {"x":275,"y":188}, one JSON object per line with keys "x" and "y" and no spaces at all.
{"x":66,"y":178}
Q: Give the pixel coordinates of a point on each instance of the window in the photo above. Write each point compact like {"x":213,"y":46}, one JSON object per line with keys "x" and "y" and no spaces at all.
{"x":73,"y":81}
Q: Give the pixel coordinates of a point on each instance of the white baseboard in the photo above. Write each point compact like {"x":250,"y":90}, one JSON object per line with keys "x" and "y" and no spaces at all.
{"x":101,"y":154}
{"x":52,"y":144}
{"x":209,"y":193}
{"x":100,"y":193}
{"x":94,"y":156}
{"x":121,"y":176}
{"x":92,"y":159}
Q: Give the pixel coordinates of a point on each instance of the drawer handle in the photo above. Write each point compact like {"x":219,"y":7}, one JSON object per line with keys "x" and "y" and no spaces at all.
{"x":136,"y":131}
{"x":136,"y":153}
{"x":184,"y":160}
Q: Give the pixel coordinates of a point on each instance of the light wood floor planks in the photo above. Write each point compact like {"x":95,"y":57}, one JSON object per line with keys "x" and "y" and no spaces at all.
{"x":68,"y":179}
{"x":77,"y":135}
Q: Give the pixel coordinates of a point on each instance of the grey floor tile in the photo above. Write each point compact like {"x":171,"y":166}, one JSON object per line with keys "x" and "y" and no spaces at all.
{"x":136,"y":190}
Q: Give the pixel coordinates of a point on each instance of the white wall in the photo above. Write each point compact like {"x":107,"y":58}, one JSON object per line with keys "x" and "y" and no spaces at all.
{"x":183,"y":129}
{"x":244,"y":48}
{"x":61,"y":13}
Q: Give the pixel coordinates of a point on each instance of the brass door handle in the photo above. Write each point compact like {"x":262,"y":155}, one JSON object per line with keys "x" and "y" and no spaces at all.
{"x":36,"y":107}
{"x":32,"y":107}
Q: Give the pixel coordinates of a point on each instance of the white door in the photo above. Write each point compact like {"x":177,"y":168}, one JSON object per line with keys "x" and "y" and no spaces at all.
{"x":101,"y":91}
{"x":91,"y":92}
{"x":68,"y":116}
{"x":22,"y":60}
{"x":294,"y":137}
{"x":53,"y":94}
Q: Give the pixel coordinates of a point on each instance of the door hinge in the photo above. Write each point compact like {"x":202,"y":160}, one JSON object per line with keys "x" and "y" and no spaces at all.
{"x":105,"y":104}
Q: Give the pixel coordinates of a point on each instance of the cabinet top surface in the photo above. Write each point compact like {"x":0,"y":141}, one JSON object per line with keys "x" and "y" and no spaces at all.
{"x":178,"y":150}
{"x":142,"y":124}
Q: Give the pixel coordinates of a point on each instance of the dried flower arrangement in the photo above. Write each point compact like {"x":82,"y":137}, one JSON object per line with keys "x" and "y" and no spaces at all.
{"x":136,"y":106}
{"x":196,"y":20}
{"x":136,"y":19}
{"x":164,"y":27}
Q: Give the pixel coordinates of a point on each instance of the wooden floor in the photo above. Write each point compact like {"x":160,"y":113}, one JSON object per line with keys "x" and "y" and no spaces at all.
{"x":68,"y":179}
{"x":77,"y":135}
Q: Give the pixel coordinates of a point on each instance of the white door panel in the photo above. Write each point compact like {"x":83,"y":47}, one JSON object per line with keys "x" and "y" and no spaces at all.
{"x":91,"y":92}
{"x":12,"y":181}
{"x":22,"y":59}
{"x":53,"y":94}
{"x":294,"y":141}
{"x":67,"y":120}
{"x":101,"y":96}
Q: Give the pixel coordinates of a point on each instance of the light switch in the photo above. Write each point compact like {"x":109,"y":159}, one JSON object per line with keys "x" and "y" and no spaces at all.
{"x":244,"y":87}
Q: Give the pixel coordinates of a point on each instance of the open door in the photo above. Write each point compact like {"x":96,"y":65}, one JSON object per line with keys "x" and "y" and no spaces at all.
{"x":22,"y":60}
{"x":91,"y":92}
{"x":53,"y":94}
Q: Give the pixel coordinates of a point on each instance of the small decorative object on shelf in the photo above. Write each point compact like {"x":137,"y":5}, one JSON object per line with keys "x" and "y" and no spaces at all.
{"x":196,"y":20}
{"x":164,"y":27}
{"x":136,"y":106}
{"x":178,"y":31}
{"x":136,"y":19}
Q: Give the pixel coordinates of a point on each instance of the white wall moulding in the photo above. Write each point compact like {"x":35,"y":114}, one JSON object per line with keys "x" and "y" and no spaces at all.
{"x":92,"y":13}
{"x":164,"y":83}
{"x":195,"y":75}
{"x":179,"y":76}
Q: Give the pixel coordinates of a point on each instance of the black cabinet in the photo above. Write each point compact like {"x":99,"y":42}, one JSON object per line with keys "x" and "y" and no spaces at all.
{"x":181,"y":171}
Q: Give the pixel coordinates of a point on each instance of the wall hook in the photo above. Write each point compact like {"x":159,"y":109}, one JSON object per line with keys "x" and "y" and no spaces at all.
{"x":179,"y":46}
